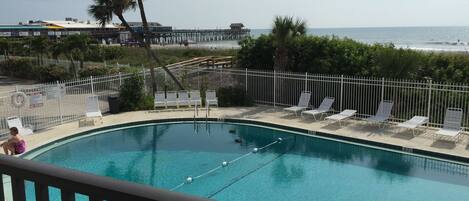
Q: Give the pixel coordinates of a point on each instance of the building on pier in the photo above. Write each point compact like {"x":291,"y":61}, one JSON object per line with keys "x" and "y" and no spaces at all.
{"x":61,"y":28}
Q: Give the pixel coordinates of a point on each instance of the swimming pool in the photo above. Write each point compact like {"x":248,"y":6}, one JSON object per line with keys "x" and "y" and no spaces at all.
{"x":261,"y":163}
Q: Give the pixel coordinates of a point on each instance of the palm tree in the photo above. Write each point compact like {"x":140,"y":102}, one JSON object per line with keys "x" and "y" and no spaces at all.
{"x":39,"y":46}
{"x":285,"y":29}
{"x":75,"y":48}
{"x":104,"y":10}
{"x":4,"y":47}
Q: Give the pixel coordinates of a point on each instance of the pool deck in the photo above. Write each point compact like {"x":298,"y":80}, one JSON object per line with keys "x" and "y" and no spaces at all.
{"x":354,"y":128}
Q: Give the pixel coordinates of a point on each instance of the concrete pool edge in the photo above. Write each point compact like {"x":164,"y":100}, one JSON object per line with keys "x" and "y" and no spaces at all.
{"x":311,"y":133}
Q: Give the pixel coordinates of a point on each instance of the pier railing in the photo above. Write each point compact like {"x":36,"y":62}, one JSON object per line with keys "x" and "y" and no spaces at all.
{"x":70,"y":182}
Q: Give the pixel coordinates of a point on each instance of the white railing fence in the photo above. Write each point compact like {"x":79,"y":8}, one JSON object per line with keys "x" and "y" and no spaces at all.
{"x":279,"y":89}
{"x":411,"y":98}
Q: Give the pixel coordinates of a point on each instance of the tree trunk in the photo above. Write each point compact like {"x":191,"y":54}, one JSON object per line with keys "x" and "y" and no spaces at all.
{"x":148,"y":50}
{"x":147,"y":37}
{"x":280,"y":65}
{"x":281,"y":59}
{"x":73,"y":68}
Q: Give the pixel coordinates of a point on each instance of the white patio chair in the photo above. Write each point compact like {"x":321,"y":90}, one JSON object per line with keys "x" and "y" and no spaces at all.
{"x":325,"y":107}
{"x":160,"y":100}
{"x":414,"y":123}
{"x":211,"y":98}
{"x":346,"y":114}
{"x":303,"y":103}
{"x":183,"y":99}
{"x":195,"y":98}
{"x":452,"y":125}
{"x":172,"y":99}
{"x":383,"y":113}
{"x":92,"y":108}
{"x":16,"y":122}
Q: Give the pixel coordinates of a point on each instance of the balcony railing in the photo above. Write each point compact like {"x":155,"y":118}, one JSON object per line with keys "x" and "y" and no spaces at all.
{"x":71,"y":182}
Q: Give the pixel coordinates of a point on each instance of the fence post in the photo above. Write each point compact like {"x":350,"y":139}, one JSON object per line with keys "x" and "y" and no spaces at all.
{"x":306,"y":81}
{"x":120,"y":79}
{"x":92,"y":85}
{"x":246,"y":80}
{"x":144,"y":79}
{"x":275,"y":87}
{"x":59,"y":100}
{"x":19,"y":109}
{"x":430,"y":83}
{"x":341,"y":92}
{"x":382,"y":90}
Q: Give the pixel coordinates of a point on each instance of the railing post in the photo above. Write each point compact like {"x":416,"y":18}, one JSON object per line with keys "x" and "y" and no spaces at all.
{"x":306,"y":81}
{"x":246,"y":80}
{"x":42,"y":192}
{"x":275,"y":88}
{"x":17,"y":186}
{"x":382,"y":89}
{"x":341,"y":93}
{"x":67,"y":195}
{"x":430,"y":85}
{"x":144,"y":79}
{"x":2,"y":192}
{"x":19,"y":109}
{"x":120,"y":79}
{"x":92,"y":85}
{"x":59,"y":100}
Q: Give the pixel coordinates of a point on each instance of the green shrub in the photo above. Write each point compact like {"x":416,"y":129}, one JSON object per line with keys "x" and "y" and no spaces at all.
{"x":112,"y":53}
{"x":332,"y":55}
{"x":133,"y":97}
{"x":97,"y":71}
{"x":51,"y":73}
{"x":234,"y":97}
{"x":19,"y":68}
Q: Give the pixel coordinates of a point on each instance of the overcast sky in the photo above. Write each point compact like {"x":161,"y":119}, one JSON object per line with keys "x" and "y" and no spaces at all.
{"x":260,"y":13}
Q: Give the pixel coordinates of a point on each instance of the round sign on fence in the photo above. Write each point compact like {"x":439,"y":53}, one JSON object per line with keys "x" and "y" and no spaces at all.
{"x":18,"y":99}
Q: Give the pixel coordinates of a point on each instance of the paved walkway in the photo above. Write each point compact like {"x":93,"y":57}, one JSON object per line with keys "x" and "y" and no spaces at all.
{"x":354,"y":128}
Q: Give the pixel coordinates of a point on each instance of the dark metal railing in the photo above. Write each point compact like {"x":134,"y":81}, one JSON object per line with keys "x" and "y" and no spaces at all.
{"x":70,"y":182}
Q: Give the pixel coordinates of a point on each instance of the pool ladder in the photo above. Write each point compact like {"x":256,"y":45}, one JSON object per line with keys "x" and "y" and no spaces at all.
{"x":196,"y":112}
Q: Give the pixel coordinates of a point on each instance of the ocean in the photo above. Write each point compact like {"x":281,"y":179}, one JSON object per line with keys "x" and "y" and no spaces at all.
{"x":450,"y":39}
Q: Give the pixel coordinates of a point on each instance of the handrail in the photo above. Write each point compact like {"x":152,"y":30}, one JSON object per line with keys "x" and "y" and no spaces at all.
{"x":98,"y":188}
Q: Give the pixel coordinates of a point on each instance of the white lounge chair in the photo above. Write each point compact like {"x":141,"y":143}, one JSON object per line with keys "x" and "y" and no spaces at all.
{"x":16,"y":122}
{"x":92,"y":108}
{"x":414,"y":123}
{"x":383,"y":113}
{"x":452,"y":125}
{"x":211,"y":98}
{"x":346,"y":114}
{"x":160,"y":100}
{"x":195,"y":98}
{"x":325,"y":107}
{"x":172,"y":99}
{"x":183,"y":99}
{"x":303,"y":103}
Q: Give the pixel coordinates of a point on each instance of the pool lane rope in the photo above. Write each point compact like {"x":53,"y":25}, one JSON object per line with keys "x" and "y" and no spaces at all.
{"x":190,"y":179}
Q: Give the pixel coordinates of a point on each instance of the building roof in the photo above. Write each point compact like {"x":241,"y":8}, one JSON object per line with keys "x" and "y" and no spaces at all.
{"x":22,"y":27}
{"x":77,"y":25}
{"x":237,"y":25}
{"x":139,"y":24}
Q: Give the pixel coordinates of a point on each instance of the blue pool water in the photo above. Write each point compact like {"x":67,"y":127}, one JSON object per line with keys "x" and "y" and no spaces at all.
{"x":296,"y":168}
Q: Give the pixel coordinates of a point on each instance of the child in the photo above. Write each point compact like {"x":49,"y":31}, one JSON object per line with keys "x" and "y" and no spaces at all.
{"x":15,"y":145}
